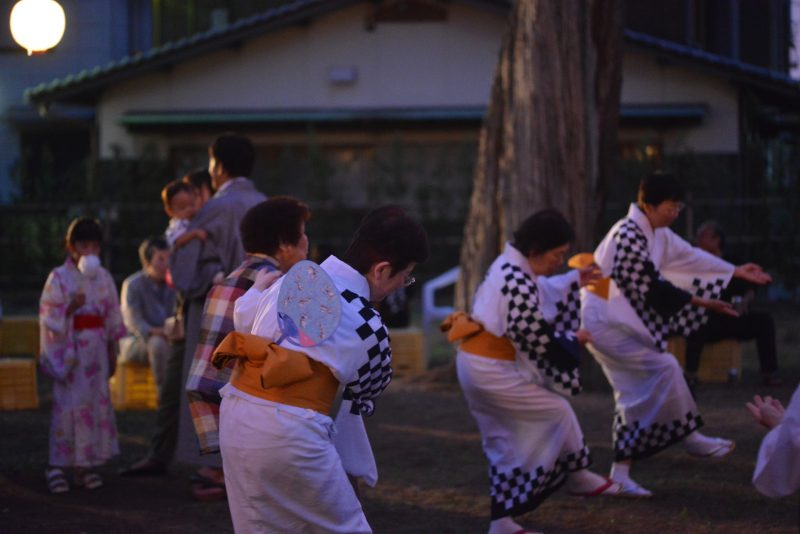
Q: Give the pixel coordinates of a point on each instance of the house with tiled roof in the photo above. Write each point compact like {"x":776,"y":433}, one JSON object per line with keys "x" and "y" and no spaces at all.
{"x":357,"y":70}
{"x":350,"y":103}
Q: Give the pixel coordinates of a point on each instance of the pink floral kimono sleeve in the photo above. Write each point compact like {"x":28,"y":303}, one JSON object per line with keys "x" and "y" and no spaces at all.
{"x":58,"y":355}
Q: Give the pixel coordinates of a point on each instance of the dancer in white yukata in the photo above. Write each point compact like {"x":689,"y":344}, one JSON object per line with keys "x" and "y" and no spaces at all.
{"x":777,"y":472}
{"x":659,"y":285}
{"x":518,"y":354}
{"x":283,"y":472}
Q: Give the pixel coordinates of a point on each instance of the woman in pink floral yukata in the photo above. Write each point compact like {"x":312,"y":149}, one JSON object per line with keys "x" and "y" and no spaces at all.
{"x":80,"y":324}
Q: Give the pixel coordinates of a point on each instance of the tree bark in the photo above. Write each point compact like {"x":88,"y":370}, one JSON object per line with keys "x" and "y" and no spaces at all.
{"x":549,"y":136}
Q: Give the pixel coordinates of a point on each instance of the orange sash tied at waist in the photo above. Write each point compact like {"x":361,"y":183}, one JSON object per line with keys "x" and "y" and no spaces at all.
{"x":87,"y":322}
{"x":460,"y":327}
{"x":274,"y":373}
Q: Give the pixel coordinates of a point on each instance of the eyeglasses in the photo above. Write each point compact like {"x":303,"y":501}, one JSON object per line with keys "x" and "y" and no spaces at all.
{"x":676,"y":207}
{"x":408,"y":280}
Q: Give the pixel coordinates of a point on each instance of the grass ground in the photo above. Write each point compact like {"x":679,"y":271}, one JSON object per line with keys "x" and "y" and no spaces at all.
{"x":432,"y":471}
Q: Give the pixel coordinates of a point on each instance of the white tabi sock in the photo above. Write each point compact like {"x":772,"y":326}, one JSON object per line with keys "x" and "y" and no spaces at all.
{"x":504,"y":525}
{"x":620,"y":472}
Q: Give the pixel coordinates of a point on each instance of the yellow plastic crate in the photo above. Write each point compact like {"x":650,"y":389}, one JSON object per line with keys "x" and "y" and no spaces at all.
{"x":18,"y":384}
{"x":719,"y":362}
{"x":19,"y":336}
{"x":408,"y":349}
{"x":132,"y":387}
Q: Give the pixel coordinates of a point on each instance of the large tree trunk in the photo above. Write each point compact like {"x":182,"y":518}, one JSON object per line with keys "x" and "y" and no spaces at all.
{"x":549,"y":137}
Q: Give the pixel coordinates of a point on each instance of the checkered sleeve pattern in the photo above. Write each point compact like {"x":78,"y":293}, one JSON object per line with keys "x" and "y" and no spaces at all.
{"x":204,"y":380}
{"x":568,"y":317}
{"x":690,"y":318}
{"x":376,"y":372}
{"x":535,"y":337}
{"x":632,"y":442}
{"x":634,"y":274}
{"x":518,"y":491}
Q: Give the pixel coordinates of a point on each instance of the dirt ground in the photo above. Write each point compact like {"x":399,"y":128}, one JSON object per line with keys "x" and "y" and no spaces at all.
{"x":432,"y":475}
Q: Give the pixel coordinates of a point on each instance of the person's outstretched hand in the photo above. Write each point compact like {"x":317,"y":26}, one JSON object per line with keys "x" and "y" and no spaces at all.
{"x":715,"y":305}
{"x":767,"y":412}
{"x":753,"y":273}
{"x":583,"y":336}
{"x":590,"y":274}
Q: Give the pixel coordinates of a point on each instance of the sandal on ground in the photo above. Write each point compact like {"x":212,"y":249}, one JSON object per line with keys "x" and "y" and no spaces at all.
{"x":720,"y":449}
{"x":607,"y":488}
{"x":632,"y":490}
{"x":56,"y":480}
{"x":207,"y":489}
{"x":88,"y":480}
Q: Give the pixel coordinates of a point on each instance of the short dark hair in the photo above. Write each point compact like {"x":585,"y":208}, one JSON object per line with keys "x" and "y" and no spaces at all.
{"x":173,"y":188}
{"x":716,"y":231}
{"x":199,"y":178}
{"x":234,"y":152}
{"x":271,"y":223}
{"x":544,"y":230}
{"x":149,"y":247}
{"x":659,"y":186}
{"x":84,"y":229}
{"x":388,"y":234}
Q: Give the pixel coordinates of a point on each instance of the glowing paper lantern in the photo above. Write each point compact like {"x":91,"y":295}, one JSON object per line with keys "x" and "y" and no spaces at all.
{"x":37,"y":25}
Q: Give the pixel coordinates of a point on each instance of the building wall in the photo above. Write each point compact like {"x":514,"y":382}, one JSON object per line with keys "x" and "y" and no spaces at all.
{"x":648,"y":81}
{"x":399,"y":65}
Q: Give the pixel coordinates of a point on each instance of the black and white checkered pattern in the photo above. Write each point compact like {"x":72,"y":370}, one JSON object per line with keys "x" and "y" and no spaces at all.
{"x":568,"y":317}
{"x":634,"y":273}
{"x":632,"y":442}
{"x":532,"y":335}
{"x":690,"y":318}
{"x":376,"y":373}
{"x":516,"y":492}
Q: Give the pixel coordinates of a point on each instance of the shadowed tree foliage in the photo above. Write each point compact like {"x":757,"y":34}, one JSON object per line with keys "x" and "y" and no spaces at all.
{"x":549,"y":136}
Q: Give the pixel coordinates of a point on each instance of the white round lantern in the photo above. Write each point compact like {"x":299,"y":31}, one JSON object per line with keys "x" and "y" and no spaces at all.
{"x":37,"y":25}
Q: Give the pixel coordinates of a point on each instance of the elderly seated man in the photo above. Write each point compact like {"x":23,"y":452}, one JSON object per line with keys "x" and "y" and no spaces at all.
{"x":147,"y":302}
{"x":748,"y":325}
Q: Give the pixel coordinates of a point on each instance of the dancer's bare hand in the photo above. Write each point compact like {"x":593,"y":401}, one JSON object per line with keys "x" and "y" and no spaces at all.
{"x":753,"y":273}
{"x":715,"y":305}
{"x":583,"y":336}
{"x":77,"y":301}
{"x":590,"y":274}
{"x":767,"y":412}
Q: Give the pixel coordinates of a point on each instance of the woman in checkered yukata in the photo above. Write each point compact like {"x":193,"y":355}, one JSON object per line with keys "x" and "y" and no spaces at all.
{"x":289,"y":467}
{"x":518,"y":354}
{"x":659,"y":285}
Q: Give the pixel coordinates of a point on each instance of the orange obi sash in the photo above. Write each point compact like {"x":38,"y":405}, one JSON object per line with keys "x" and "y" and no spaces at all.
{"x":474,"y":339}
{"x":583,"y":260}
{"x":87,"y":322}
{"x":269,"y":371}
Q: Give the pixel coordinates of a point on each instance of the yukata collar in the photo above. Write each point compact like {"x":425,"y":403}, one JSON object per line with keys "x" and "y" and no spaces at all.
{"x":345,"y":277}
{"x":636,"y":214}
{"x":255,"y":256}
{"x":229,"y":183}
{"x":515,"y":257}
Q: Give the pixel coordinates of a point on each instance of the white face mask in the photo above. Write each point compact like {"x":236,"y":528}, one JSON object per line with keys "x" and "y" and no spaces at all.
{"x":88,"y":265}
